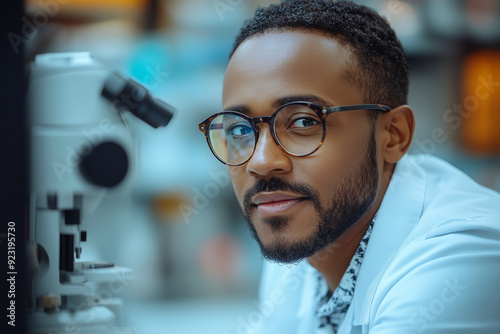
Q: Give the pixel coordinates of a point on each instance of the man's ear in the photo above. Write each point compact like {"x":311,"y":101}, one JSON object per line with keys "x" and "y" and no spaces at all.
{"x":398,"y":126}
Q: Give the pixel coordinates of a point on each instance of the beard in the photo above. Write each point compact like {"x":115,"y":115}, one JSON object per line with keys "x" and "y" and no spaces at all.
{"x":355,"y":195}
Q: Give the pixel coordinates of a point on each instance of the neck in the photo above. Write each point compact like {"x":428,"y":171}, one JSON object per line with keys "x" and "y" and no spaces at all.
{"x":333,"y":260}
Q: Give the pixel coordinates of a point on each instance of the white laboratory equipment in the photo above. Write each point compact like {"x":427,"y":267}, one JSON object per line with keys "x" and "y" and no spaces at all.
{"x":81,"y":150}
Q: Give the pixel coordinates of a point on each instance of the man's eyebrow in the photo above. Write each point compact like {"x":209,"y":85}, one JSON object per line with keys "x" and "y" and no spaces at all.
{"x":238,"y":107}
{"x":279,"y":102}
{"x":294,"y":98}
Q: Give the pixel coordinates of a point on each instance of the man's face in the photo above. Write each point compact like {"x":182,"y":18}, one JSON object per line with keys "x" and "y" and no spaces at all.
{"x":295,"y":206}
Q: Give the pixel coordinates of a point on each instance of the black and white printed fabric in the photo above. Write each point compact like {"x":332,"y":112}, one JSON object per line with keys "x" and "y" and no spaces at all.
{"x":332,"y":307}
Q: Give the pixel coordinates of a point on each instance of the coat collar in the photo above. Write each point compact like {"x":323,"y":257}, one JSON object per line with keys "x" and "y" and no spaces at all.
{"x":400,"y":210}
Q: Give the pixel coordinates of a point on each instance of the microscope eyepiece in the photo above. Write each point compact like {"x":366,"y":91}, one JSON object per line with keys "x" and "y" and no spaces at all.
{"x":132,"y":96}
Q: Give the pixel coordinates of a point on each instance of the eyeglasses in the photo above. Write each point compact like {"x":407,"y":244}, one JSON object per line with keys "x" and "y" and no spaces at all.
{"x":298,"y":128}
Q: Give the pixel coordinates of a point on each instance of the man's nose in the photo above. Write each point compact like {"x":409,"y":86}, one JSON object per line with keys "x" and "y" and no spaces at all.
{"x":268,"y":159}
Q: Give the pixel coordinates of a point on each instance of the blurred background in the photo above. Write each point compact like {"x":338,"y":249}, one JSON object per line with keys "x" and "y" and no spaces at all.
{"x":196,"y":267}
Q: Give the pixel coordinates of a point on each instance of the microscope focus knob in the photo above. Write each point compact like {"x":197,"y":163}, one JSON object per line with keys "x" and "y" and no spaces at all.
{"x":106,"y":165}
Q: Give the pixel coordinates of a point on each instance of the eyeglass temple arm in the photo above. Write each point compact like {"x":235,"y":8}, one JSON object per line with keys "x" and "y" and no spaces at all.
{"x":359,"y":107}
{"x":217,"y":126}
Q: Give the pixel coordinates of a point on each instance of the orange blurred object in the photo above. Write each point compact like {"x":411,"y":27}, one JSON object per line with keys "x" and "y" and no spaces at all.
{"x":90,"y":3}
{"x":480,"y":131}
{"x":87,"y":9}
{"x":167,"y":207}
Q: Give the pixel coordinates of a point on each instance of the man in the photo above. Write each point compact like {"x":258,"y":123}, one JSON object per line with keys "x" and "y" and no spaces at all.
{"x":315,"y":131}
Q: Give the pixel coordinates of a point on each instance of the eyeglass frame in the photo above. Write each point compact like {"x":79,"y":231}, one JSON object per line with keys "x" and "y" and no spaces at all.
{"x":322,"y":112}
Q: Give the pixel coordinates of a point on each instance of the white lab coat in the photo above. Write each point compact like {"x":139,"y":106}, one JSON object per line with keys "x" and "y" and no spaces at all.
{"x":432,"y":264}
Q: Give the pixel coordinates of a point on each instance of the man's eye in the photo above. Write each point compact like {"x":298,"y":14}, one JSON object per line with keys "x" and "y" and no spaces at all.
{"x":304,"y":123}
{"x":239,"y":130}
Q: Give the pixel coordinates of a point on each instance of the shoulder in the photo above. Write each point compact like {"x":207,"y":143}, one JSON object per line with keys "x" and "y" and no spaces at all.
{"x":445,"y":274}
{"x":447,"y":192}
{"x":442,"y":281}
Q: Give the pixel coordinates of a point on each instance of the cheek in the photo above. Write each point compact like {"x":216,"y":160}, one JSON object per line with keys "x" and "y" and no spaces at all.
{"x":337,"y":159}
{"x":239,"y":180}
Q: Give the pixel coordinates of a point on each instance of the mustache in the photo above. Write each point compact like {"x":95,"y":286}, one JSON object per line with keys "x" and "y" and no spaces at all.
{"x":277,"y":184}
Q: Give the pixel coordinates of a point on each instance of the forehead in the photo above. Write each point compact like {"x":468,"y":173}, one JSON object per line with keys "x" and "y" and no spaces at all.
{"x":274,"y":65}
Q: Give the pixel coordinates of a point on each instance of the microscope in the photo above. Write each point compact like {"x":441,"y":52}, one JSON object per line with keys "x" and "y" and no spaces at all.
{"x":81,"y":150}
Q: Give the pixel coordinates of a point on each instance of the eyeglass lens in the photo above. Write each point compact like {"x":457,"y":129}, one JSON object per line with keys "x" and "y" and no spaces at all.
{"x":298,"y":130}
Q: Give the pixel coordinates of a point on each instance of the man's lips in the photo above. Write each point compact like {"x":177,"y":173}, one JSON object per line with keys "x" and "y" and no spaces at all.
{"x":275,"y":203}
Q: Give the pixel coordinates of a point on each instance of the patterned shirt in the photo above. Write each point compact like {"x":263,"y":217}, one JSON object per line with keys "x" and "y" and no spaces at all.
{"x":332,"y":308}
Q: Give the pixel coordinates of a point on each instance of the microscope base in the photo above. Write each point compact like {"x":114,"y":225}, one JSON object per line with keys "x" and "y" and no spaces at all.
{"x":94,"y":320}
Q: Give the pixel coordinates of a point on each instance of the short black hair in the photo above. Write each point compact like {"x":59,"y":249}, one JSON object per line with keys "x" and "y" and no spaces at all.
{"x":379,"y":70}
